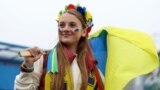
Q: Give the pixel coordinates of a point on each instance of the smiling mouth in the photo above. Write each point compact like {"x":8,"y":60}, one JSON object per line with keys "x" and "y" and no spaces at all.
{"x":66,"y":35}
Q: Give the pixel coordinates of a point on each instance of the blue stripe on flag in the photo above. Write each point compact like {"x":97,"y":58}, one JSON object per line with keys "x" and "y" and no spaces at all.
{"x":99,"y":48}
{"x":49,"y":64}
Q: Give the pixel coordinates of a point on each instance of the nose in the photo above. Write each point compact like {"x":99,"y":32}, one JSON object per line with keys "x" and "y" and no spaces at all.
{"x":65,"y":28}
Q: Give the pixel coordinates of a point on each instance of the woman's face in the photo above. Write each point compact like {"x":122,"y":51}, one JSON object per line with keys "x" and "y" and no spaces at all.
{"x":70,"y":29}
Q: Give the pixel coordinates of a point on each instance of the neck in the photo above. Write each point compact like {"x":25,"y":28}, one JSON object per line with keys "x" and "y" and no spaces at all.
{"x":73,"y":48}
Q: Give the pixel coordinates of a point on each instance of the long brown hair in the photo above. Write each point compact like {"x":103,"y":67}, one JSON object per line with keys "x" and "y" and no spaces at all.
{"x":57,"y":80}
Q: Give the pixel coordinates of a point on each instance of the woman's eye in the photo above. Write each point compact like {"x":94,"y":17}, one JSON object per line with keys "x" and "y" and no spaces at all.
{"x":61,"y":25}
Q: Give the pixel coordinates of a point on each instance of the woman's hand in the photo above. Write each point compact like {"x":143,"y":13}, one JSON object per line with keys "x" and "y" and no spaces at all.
{"x":35,"y":55}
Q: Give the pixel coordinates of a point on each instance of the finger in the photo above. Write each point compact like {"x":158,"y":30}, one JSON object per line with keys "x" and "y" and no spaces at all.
{"x":31,"y":51}
{"x":34,"y":51}
{"x":38,"y":53}
{"x":37,"y":50}
{"x":37,"y":57}
{"x":29,"y":60}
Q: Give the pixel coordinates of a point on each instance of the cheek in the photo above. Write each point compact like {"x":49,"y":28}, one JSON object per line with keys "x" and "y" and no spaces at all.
{"x":61,"y":37}
{"x":77,"y":36}
{"x":71,"y":39}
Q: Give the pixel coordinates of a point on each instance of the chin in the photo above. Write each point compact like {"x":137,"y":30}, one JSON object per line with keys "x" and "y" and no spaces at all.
{"x":66,"y":42}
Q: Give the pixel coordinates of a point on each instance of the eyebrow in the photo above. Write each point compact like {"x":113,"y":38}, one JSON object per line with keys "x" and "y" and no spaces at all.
{"x":67,"y":22}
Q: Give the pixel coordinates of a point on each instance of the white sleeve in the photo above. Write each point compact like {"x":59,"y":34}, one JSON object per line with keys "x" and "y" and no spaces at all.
{"x":29,"y":81}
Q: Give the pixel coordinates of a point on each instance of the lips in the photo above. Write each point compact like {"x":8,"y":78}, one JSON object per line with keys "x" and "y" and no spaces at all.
{"x":66,"y":33}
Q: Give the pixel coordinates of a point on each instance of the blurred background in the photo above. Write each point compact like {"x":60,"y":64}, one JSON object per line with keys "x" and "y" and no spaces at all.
{"x":27,"y":23}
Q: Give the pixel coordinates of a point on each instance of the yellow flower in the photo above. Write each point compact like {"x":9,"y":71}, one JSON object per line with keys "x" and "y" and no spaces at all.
{"x":88,"y":16}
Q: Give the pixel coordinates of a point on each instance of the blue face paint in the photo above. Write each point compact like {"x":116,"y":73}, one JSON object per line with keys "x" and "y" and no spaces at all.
{"x":59,"y":30}
{"x":76,"y":30}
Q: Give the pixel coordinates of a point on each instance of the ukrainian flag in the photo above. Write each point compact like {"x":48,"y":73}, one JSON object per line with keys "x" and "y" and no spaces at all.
{"x":123,"y":55}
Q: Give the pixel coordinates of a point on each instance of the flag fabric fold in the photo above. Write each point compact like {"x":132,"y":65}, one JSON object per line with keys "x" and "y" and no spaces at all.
{"x":123,"y":55}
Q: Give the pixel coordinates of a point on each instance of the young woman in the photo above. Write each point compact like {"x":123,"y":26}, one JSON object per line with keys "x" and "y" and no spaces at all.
{"x":70,"y":65}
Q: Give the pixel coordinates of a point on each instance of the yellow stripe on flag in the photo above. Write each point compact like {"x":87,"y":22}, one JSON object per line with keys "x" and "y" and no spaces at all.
{"x":130,"y":54}
{"x":47,"y":81}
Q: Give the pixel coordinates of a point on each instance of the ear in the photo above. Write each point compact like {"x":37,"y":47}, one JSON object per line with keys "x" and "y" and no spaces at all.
{"x":84,"y":32}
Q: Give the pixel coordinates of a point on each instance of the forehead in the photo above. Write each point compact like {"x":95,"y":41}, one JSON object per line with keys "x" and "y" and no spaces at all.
{"x":66,"y":17}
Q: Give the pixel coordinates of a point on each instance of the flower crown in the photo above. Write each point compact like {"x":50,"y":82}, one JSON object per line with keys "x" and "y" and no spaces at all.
{"x":82,"y":10}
